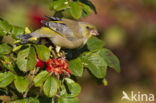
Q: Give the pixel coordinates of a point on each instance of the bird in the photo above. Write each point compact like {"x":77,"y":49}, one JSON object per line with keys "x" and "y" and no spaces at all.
{"x":62,"y":32}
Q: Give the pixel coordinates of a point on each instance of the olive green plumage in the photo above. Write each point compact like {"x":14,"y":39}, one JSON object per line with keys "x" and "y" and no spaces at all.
{"x":65,"y":33}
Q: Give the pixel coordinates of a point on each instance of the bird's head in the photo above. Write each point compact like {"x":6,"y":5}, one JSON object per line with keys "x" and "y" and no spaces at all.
{"x":88,"y":29}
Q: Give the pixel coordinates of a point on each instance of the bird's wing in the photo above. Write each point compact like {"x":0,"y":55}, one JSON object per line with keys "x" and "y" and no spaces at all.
{"x":44,"y":32}
{"x":73,"y":25}
{"x":60,"y":27}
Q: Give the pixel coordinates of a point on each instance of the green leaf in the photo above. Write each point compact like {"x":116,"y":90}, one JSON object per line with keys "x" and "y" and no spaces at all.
{"x":94,"y":43}
{"x":17,"y":31}
{"x":20,"y":101}
{"x":33,"y":100}
{"x":4,"y":27}
{"x":95,"y":63}
{"x":21,"y":84}
{"x":40,"y":78}
{"x":26,"y":59}
{"x":45,"y":99}
{"x":90,"y":4}
{"x":5,"y":79}
{"x":66,"y":13}
{"x":84,"y":14}
{"x":51,"y":6}
{"x":29,"y":100}
{"x":16,"y":48}
{"x":74,"y":88}
{"x":76,"y":67}
{"x":68,"y":100}
{"x":63,"y":91}
{"x":43,"y":52}
{"x":7,"y":63}
{"x":110,"y":58}
{"x":69,"y":81}
{"x":86,"y":10}
{"x":5,"y":48}
{"x":60,"y":5}
{"x":50,"y":87}
{"x":53,"y":100}
{"x":76,"y":10}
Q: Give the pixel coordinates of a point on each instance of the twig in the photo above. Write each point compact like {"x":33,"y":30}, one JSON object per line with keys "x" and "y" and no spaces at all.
{"x":31,"y":81}
{"x":54,"y":54}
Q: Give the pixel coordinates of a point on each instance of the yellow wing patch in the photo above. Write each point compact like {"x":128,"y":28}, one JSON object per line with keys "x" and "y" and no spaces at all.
{"x":33,"y":38}
{"x":27,"y":30}
{"x":46,"y":30}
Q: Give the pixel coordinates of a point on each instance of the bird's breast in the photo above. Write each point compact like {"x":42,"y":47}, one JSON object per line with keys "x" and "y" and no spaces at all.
{"x":69,"y":44}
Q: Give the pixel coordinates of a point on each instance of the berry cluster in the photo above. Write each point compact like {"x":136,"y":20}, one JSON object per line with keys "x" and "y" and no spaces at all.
{"x":58,"y":66}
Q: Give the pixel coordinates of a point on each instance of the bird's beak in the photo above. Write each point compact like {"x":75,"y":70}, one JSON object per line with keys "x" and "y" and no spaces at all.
{"x":94,"y":32}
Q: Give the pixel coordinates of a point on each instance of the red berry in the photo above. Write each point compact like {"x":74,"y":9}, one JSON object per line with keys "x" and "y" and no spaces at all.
{"x":68,"y":70}
{"x":58,"y":70}
{"x":58,"y":66}
{"x":39,"y":63}
{"x":49,"y":69}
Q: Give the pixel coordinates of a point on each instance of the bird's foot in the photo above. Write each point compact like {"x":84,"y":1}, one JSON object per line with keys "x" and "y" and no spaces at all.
{"x":61,"y":54}
{"x":58,"y":48}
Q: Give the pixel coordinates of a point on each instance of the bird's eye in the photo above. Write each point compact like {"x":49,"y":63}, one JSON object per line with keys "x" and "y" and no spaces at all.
{"x":88,"y":28}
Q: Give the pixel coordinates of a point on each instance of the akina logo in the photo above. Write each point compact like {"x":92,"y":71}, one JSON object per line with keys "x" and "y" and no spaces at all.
{"x":140,"y":97}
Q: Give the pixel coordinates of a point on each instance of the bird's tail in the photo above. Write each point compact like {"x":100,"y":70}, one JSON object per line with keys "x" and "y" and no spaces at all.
{"x":52,"y":18}
{"x":24,"y":38}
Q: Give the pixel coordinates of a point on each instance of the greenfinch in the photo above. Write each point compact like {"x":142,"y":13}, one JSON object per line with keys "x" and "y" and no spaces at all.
{"x":63,"y":32}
